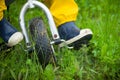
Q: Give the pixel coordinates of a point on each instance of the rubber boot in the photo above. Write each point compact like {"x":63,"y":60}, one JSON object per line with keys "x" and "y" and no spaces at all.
{"x":68,"y":30}
{"x":73,"y":36}
{"x":9,"y":34}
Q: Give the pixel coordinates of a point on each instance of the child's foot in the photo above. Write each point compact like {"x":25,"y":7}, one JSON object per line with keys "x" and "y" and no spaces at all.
{"x":73,"y":35}
{"x":9,"y":34}
{"x":83,"y":38}
{"x":15,"y":38}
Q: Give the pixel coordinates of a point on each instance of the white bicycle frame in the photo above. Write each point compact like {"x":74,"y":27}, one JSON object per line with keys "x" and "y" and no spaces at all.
{"x":32,"y":4}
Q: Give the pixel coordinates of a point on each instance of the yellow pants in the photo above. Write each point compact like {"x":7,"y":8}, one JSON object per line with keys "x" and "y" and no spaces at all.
{"x":2,"y":8}
{"x":62,"y":10}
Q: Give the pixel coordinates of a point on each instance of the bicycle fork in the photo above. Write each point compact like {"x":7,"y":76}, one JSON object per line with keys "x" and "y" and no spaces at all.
{"x":32,"y":4}
{"x":53,"y":29}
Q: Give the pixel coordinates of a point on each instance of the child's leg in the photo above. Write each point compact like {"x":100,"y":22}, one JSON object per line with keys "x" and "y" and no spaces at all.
{"x":9,"y":34}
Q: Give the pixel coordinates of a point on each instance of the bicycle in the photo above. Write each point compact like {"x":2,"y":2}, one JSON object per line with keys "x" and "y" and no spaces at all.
{"x":40,"y":42}
{"x":43,"y":45}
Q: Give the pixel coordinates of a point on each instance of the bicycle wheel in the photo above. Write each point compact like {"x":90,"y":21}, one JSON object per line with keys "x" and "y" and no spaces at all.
{"x":42,"y":41}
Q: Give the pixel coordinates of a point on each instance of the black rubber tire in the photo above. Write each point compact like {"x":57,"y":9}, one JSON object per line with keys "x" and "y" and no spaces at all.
{"x":42,"y":41}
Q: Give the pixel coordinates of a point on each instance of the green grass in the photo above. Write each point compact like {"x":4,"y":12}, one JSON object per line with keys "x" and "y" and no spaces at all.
{"x":99,"y":61}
